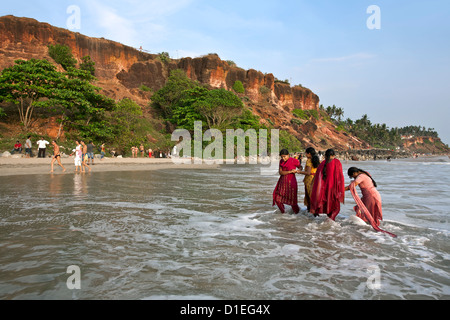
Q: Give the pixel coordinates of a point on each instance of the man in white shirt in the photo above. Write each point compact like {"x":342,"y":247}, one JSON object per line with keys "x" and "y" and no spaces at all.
{"x":42,"y":146}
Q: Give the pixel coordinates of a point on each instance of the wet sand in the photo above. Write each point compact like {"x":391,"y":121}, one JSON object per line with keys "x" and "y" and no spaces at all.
{"x":23,"y":166}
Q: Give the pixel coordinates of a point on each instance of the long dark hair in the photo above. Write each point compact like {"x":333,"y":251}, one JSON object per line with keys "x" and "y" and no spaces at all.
{"x":314,"y":158}
{"x":328,"y":154}
{"x":352,"y":170}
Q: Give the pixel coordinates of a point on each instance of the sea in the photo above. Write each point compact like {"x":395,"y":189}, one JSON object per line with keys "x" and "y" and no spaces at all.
{"x":213,"y":234}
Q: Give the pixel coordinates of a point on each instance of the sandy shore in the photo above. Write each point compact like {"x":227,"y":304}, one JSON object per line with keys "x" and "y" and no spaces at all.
{"x":23,"y":166}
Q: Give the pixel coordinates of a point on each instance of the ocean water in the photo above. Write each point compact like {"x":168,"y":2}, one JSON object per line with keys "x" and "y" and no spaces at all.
{"x":213,"y":234}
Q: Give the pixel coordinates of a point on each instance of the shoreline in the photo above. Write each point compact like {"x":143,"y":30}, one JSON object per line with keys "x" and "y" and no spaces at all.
{"x":16,"y":165}
{"x":13,"y":166}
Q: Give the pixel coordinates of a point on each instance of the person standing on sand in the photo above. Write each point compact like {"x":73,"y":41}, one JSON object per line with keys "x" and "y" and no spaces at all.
{"x":134,"y":150}
{"x":142,"y":150}
{"x":84,"y":158}
{"x":90,"y":152}
{"x":42,"y":146}
{"x":102,"y":152}
{"x":28,"y":147}
{"x":78,"y":155}
{"x":56,"y":156}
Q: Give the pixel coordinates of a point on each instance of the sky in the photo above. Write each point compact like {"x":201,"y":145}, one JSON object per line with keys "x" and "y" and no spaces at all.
{"x":384,"y":58}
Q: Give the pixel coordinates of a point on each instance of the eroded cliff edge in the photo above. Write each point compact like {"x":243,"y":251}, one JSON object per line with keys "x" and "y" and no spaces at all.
{"x":121,"y":70}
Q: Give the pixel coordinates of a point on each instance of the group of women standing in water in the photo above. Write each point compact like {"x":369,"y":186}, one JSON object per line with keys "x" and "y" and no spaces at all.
{"x":325,"y":187}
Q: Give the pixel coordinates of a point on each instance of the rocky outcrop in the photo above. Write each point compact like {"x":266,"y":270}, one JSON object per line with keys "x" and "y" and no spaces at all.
{"x":121,"y":70}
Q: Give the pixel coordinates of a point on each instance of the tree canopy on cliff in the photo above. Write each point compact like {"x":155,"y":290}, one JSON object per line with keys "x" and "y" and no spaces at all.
{"x":37,"y":84}
{"x":183,"y":101}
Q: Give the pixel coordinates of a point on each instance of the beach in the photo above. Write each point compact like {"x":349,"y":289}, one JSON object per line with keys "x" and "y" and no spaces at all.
{"x":24,"y":166}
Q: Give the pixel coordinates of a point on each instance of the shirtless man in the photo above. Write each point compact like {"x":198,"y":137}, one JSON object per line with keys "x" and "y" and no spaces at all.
{"x":56,"y":156}
{"x":84,"y":159}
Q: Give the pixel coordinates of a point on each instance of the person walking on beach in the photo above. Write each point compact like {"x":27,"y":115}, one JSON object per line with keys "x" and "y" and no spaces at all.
{"x":287,"y":188}
{"x":84,"y":158}
{"x":312,"y":162}
{"x":42,"y":146}
{"x":328,"y":190}
{"x":56,"y":156}
{"x":78,"y":155}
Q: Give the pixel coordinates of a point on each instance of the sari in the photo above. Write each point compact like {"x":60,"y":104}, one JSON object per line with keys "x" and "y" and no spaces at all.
{"x":308,"y":181}
{"x":371,"y":199}
{"x":327,"y":194}
{"x":365,"y":212}
{"x":287,"y":188}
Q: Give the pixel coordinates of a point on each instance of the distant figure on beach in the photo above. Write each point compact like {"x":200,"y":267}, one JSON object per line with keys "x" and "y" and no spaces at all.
{"x":150,"y":152}
{"x":134,"y":151}
{"x":42,"y":147}
{"x":312,"y":163}
{"x":286,"y":189}
{"x":78,"y":156}
{"x":90,"y":152}
{"x":56,"y":156}
{"x":142,"y":150}
{"x":84,"y":158}
{"x":328,"y":190}
{"x":370,"y":195}
{"x":28,"y":147}
{"x":102,"y":152}
{"x":17,"y":148}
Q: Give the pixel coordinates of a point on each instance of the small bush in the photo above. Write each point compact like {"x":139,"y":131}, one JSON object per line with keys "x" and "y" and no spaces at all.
{"x":264,"y":90}
{"x":238,"y":87}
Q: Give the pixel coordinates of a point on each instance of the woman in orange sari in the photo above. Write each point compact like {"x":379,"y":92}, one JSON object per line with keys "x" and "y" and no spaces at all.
{"x":287,"y":188}
{"x":312,"y":162}
{"x":328,"y":189}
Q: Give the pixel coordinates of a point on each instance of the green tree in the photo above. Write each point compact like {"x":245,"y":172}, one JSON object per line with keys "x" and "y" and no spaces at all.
{"x":88,"y":65}
{"x":124,"y":120}
{"x":219,"y":107}
{"x":168,"y":96}
{"x":62,"y":55}
{"x":238,"y":87}
{"x":184,"y":111}
{"x":27,"y":83}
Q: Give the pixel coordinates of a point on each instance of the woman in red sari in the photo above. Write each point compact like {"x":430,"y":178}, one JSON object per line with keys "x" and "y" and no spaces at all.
{"x":286,"y":190}
{"x":329,"y":189}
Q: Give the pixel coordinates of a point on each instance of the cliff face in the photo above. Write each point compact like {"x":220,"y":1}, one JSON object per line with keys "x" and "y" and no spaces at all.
{"x":121,"y":70}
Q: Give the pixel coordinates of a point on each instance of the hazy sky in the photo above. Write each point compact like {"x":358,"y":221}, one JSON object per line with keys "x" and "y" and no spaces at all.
{"x":391,"y":61}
